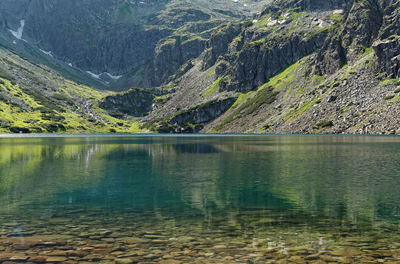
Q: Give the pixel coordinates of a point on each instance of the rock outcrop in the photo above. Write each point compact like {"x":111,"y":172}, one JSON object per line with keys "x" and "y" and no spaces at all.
{"x":261,"y":59}
{"x":192,"y":120}
{"x":218,"y":43}
{"x":135,"y":102}
{"x":174,"y":52}
{"x":388,"y":56}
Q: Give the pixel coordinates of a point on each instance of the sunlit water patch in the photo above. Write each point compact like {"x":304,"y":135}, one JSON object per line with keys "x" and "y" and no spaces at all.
{"x":206,"y":199}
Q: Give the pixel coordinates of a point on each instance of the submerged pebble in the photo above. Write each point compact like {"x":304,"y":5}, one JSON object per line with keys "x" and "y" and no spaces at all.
{"x":192,"y":242}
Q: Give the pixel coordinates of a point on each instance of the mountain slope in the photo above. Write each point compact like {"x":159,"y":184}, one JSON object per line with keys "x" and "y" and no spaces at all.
{"x":300,"y":67}
{"x":297,"y":66}
{"x":35,"y":99}
{"x":120,"y":43}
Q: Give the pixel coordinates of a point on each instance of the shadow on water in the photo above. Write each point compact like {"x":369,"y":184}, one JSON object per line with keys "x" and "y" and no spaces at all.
{"x":200,"y":148}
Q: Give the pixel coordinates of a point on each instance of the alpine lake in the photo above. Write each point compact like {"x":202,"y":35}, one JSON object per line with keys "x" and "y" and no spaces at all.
{"x":199,"y":199}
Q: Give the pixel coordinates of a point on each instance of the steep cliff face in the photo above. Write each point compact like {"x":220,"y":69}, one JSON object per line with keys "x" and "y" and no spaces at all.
{"x":362,"y":22}
{"x":174,"y":52}
{"x":218,"y":43}
{"x":259,"y":49}
{"x":387,"y":48}
{"x":388,"y":56}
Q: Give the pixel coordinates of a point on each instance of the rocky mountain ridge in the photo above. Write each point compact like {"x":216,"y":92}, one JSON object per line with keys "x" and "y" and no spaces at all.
{"x":127,"y":40}
{"x":298,"y":66}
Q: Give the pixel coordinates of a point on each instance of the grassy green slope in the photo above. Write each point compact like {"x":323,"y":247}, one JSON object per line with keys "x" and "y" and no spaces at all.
{"x":34,"y":98}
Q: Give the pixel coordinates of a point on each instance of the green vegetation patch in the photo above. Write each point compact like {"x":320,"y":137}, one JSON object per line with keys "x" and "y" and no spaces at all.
{"x":169,"y":42}
{"x":283,"y":79}
{"x":389,"y":81}
{"x":242,"y":97}
{"x":304,"y":108}
{"x":317,"y":79}
{"x":211,"y":73}
{"x":45,"y":101}
{"x":237,"y":39}
{"x":212,"y":88}
{"x":266,"y":95}
{"x":258,"y":42}
{"x":391,"y":38}
{"x":337,"y":18}
{"x":198,"y":38}
{"x":367,"y":50}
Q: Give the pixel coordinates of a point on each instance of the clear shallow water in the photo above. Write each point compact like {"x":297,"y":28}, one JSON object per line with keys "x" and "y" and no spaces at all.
{"x":206,"y":199}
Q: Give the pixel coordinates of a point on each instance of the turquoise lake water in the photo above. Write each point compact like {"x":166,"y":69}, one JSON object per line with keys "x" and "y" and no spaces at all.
{"x":200,"y":199}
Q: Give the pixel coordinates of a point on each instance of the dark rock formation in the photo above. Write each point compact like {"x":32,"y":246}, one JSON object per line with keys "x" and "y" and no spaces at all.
{"x":361,"y":26}
{"x":388,"y":56}
{"x":172,"y":53}
{"x":260,"y":60}
{"x":135,"y":102}
{"x":203,"y":113}
{"x":218,"y":43}
{"x":194,"y":119}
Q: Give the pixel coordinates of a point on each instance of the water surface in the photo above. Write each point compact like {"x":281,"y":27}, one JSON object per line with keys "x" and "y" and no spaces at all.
{"x":200,"y":199}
